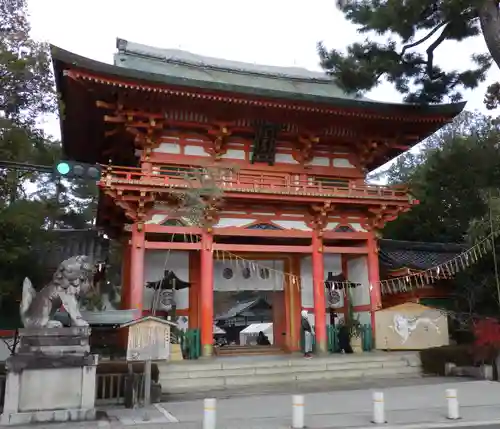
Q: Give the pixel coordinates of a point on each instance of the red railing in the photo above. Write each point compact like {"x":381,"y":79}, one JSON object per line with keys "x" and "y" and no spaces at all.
{"x":249,"y":181}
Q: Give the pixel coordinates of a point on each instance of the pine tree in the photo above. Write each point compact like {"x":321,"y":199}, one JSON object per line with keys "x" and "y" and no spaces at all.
{"x":413,"y":30}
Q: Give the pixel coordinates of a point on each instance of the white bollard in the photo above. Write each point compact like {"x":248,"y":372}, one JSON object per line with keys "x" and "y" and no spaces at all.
{"x":209,"y":413}
{"x":297,"y":412}
{"x":452,"y":400}
{"x":378,"y":408}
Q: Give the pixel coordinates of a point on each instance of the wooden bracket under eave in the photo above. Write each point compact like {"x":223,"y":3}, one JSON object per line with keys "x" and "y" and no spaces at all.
{"x":384,"y":214}
{"x":220,"y":135}
{"x":305,"y":152}
{"x":319,"y":216}
{"x":372,"y":150}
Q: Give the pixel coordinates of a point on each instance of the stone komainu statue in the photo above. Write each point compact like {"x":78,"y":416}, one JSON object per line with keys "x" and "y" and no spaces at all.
{"x":73,"y":278}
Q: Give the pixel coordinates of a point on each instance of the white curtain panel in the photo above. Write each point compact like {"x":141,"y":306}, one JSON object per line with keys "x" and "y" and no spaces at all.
{"x":236,"y":275}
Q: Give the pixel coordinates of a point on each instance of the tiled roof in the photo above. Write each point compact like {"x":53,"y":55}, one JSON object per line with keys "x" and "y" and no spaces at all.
{"x":186,"y":65}
{"x":395,"y":254}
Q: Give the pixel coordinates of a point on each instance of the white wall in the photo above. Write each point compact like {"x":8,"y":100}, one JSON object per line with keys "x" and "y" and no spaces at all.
{"x":357,"y":272}
{"x":155,"y":263}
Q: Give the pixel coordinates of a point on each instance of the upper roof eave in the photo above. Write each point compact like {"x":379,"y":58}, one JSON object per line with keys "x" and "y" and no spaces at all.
{"x":63,"y":58}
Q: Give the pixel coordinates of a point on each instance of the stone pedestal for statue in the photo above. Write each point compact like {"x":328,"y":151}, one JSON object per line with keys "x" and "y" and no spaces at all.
{"x":51,"y":378}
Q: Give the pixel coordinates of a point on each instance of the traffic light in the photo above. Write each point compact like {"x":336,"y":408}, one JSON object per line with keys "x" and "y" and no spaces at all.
{"x":77,"y":170}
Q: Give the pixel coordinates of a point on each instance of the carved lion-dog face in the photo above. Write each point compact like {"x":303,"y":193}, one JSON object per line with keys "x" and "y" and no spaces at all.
{"x":75,"y":275}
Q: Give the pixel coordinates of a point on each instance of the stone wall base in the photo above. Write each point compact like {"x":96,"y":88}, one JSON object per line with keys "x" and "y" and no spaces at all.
{"x":9,"y":418}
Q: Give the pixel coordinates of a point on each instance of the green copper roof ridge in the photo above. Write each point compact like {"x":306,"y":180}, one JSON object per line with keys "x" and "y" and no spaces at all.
{"x":325,"y":79}
{"x":64,"y":56}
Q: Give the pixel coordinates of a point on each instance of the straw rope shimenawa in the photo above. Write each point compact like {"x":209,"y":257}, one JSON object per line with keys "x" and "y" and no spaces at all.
{"x":399,"y":284}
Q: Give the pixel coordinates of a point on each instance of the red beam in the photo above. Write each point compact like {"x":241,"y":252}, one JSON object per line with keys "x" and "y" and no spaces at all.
{"x":359,"y":308}
{"x":165,"y":245}
{"x":235,"y":231}
{"x":262,"y":248}
{"x":349,"y":250}
{"x":161,"y":229}
{"x":332,"y":235}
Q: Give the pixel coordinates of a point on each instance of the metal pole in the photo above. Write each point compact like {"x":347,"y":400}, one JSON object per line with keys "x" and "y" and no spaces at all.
{"x":495,"y":263}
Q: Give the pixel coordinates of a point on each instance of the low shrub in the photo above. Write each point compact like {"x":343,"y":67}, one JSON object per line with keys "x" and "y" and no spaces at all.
{"x":434,"y":359}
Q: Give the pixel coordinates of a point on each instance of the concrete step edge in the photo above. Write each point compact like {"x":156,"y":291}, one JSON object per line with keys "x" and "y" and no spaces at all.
{"x":231,"y":383}
{"x":251,"y":372}
{"x":193,"y":366}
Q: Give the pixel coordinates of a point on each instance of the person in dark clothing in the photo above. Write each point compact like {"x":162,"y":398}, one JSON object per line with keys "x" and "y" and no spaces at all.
{"x":344,"y":340}
{"x":262,"y":339}
{"x":308,"y":335}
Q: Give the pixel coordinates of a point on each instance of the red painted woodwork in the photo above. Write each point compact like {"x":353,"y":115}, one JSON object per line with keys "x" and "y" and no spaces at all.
{"x":352,"y":173}
{"x":374,"y":280}
{"x":160,"y":245}
{"x":207,"y":294}
{"x":136,"y":291}
{"x":194,"y":290}
{"x":261,"y":248}
{"x":279,"y":319}
{"x":361,"y":250}
{"x":241,"y":232}
{"x":255,"y":183}
{"x":318,"y":274}
{"x":293,"y":316}
{"x":160,"y":229}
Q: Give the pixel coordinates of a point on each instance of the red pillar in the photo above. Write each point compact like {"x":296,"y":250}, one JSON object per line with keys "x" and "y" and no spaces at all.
{"x":373,"y":279}
{"x":137,"y":252}
{"x":194,"y":290}
{"x":318,"y":273}
{"x":207,"y":294}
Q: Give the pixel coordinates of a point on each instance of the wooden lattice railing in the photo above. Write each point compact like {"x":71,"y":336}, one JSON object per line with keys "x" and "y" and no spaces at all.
{"x":250,"y":181}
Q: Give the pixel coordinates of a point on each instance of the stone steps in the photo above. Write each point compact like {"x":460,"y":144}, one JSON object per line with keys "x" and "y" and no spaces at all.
{"x":248,"y":350}
{"x":227,"y":373}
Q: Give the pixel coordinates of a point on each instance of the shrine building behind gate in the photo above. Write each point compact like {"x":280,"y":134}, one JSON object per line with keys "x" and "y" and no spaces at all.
{"x":292,"y":150}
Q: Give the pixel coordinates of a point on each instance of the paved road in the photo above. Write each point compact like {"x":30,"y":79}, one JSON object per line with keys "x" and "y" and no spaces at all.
{"x":412,"y":406}
{"x":306,"y":387}
{"x":422,"y":405}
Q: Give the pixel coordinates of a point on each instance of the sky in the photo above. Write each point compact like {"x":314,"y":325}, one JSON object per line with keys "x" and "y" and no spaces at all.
{"x":271,"y":32}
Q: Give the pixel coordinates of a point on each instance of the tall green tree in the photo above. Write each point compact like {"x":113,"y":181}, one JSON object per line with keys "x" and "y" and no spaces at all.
{"x":402,"y":42}
{"x":456,"y":178}
{"x":448,"y":177}
{"x":26,"y":94}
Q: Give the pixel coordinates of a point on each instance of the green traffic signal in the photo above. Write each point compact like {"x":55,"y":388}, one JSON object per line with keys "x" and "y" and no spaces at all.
{"x":77,"y":170}
{"x":63,"y":168}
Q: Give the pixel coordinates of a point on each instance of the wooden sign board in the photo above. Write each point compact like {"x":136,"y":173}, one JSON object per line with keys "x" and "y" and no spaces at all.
{"x":410,"y":326}
{"x":148,"y":339}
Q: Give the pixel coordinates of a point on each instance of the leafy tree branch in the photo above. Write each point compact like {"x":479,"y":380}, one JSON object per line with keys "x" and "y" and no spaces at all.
{"x":413,"y":30}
